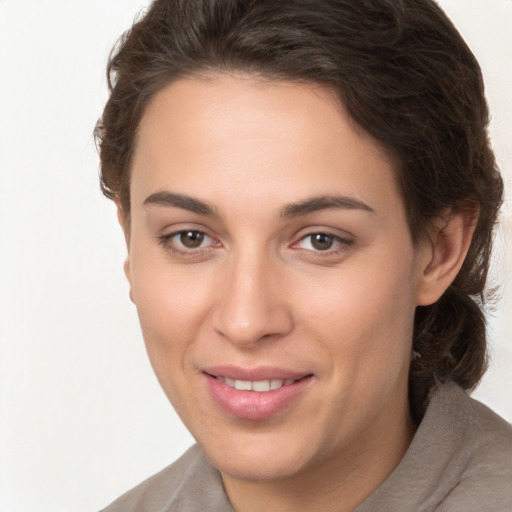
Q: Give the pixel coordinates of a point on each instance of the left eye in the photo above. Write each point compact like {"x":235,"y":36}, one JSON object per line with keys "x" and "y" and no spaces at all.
{"x":320,"y":242}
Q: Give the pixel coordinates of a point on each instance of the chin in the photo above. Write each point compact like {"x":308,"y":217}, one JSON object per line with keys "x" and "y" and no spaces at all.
{"x":259,"y":459}
{"x":257,"y":470}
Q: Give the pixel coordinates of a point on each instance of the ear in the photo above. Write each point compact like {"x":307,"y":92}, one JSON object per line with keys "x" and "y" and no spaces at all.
{"x":121,"y":217}
{"x":127,"y":273}
{"x":444,"y":253}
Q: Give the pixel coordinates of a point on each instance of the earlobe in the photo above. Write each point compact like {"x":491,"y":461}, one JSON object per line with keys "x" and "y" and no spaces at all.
{"x":450,"y":238}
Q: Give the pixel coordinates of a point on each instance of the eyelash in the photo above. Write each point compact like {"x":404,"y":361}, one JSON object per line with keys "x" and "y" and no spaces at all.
{"x":166,"y":241}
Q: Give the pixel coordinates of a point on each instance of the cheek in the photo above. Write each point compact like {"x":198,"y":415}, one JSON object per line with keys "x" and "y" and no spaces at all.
{"x":366,"y":318}
{"x":168,"y":297}
{"x":171,"y":308}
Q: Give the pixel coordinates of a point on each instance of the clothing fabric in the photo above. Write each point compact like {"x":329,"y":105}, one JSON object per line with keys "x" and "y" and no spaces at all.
{"x":460,"y":460}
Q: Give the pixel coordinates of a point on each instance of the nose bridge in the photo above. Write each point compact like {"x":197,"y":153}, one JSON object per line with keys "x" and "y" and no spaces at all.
{"x":251,"y":305}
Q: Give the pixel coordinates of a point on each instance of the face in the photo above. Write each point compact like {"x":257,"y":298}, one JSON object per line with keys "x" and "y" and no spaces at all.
{"x":273,"y":272}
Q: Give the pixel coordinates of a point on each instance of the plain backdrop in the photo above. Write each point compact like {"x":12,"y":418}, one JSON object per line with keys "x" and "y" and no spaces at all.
{"x":82,"y":418}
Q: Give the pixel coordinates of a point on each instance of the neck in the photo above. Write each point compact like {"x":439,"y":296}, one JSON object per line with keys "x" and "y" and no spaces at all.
{"x":340,"y":483}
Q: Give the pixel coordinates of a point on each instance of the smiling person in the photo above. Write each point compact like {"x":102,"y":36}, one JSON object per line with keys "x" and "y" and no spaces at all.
{"x":308,"y":196}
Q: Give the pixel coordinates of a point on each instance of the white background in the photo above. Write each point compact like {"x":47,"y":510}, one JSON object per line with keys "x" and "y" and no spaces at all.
{"x":82,"y":418}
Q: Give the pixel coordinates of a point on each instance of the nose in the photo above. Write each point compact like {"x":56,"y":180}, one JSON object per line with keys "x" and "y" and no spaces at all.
{"x":252,"y":303}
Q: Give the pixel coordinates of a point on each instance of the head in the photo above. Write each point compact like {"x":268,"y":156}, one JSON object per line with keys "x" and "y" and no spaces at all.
{"x":398,"y":73}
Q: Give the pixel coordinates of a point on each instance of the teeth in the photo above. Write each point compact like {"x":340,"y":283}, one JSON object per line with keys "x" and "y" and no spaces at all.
{"x":257,"y":385}
{"x":276,"y":384}
{"x":261,"y":385}
{"x":243,"y":385}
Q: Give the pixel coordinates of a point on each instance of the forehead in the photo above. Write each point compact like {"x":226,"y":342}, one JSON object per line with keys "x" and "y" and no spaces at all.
{"x":274,"y":140}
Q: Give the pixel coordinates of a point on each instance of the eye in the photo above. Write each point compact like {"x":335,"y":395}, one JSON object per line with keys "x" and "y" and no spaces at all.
{"x":190,"y":239}
{"x":318,"y":242}
{"x":186,"y":241}
{"x":322,"y":242}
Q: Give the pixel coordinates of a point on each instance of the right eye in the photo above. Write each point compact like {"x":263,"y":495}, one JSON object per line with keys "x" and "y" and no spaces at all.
{"x":190,"y":239}
{"x":186,"y":241}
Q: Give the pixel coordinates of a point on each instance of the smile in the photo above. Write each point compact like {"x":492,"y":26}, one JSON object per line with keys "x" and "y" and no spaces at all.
{"x":260,"y":386}
{"x":256,"y":394}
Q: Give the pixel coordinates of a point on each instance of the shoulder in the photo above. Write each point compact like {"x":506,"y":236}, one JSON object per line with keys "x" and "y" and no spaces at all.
{"x":187,"y":485}
{"x":460,"y":460}
{"x":486,"y":438}
{"x":485,"y":481}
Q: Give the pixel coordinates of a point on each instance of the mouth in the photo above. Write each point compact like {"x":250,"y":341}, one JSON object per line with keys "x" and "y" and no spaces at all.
{"x":256,"y":394}
{"x":260,"y":386}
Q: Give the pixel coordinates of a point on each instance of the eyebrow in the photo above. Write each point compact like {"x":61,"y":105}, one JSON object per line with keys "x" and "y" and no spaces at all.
{"x":327,"y":202}
{"x":311,"y":205}
{"x":181,"y":201}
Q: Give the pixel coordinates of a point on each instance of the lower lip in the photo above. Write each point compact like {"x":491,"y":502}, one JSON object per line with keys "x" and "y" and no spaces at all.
{"x":255,"y":405}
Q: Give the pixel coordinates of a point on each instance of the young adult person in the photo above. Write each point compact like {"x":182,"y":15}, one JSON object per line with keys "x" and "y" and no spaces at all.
{"x":308,"y":196}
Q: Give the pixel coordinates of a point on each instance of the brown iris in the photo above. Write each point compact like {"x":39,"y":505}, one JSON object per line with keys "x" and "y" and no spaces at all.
{"x":321,"y":241}
{"x":191,"y":239}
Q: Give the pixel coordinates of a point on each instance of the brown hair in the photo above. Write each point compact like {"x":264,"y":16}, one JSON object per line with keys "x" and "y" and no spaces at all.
{"x":404,"y":74}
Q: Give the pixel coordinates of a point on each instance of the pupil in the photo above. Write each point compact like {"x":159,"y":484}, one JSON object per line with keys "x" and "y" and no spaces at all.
{"x":191,"y":239}
{"x":322,"y":242}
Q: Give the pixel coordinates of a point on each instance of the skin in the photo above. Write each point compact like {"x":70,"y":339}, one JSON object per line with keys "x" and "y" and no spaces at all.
{"x":257,"y":291}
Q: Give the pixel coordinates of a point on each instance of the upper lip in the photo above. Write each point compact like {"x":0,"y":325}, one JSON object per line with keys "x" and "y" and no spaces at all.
{"x":254,"y":374}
